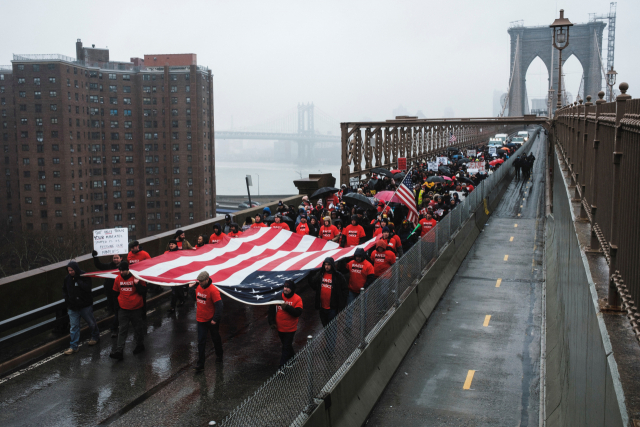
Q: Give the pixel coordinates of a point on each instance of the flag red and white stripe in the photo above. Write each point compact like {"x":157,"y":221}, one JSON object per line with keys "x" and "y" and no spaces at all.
{"x":266,"y":254}
{"x":405,"y":194}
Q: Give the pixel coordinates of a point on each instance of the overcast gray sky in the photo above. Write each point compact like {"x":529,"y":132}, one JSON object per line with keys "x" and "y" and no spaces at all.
{"x":353,"y":59}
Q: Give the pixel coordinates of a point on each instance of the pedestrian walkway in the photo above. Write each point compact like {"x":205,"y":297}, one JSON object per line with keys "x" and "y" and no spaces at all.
{"x":476,"y":361}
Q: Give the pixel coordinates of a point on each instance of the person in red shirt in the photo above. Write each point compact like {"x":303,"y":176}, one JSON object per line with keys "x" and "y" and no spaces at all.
{"x":331,"y":202}
{"x":328,"y":231}
{"x":303,"y":227}
{"x":284,"y":318}
{"x":217,"y":235}
{"x":360,"y":274}
{"x":135,"y":254}
{"x":131,"y":292}
{"x":426,"y":224}
{"x":354,"y":233}
{"x":278,"y":224}
{"x":208,"y":314}
{"x":379,"y":226}
{"x":382,"y":258}
{"x":258,"y":223}
{"x":331,"y":289}
{"x":234,"y":230}
{"x":391,"y":240}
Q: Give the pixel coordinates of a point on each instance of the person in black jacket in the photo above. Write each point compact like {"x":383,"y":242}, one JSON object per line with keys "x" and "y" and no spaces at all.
{"x":112,"y":297}
{"x":77,"y":294}
{"x":331,"y":289}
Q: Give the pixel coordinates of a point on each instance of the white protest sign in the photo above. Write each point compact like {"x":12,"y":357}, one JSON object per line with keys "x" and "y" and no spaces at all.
{"x":442,"y":160}
{"x":354,"y":182}
{"x":492,"y":151}
{"x":111,"y":241}
{"x":432,"y":166}
{"x":471,"y":153}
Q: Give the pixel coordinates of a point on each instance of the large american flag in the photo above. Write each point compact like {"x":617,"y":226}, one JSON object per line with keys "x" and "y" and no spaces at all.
{"x":251,"y":269}
{"x":405,"y":194}
{"x":452,"y":138}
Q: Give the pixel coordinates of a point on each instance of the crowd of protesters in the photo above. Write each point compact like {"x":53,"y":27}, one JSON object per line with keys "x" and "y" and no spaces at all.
{"x":437,"y":190}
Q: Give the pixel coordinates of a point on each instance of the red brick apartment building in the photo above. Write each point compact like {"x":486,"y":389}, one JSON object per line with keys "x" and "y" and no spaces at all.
{"x":88,"y":143}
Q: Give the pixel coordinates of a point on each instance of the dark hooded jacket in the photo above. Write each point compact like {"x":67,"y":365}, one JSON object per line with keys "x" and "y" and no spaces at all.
{"x":339,"y":290}
{"x":77,"y":289}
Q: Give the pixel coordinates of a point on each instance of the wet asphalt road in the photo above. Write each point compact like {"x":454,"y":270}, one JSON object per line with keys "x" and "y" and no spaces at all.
{"x":428,"y":389}
{"x":157,"y":387}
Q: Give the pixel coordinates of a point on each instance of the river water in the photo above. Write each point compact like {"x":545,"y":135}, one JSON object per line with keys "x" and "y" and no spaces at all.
{"x":272,"y":178}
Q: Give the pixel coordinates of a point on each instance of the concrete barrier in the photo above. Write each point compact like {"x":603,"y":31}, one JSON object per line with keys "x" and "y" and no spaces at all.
{"x":27,"y":291}
{"x":355,"y":394}
{"x":583,"y":387}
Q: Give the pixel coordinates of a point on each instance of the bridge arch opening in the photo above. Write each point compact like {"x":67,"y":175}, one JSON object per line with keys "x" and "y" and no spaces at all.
{"x":573,"y":85}
{"x":537,"y":81}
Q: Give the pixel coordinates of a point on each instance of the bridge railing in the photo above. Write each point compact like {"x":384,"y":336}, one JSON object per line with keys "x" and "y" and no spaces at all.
{"x":368,"y":145}
{"x":291,"y":395}
{"x":600,"y":145}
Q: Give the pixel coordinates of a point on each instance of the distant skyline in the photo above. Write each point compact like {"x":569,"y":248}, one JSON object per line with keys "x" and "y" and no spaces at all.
{"x":355,"y":60}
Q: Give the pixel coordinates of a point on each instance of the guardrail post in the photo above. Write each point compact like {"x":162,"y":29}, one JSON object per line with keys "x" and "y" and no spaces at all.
{"x":309,"y":374}
{"x":614,"y":298}
{"x":363,"y":307}
{"x":396,"y":284}
{"x":595,"y":243}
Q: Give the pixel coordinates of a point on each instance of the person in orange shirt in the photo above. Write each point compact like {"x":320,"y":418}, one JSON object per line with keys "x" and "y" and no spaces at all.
{"x":208,"y":315}
{"x":234,"y":230}
{"x":284,"y":318}
{"x":382,"y":258}
{"x":378,"y":226}
{"x":361,"y":274}
{"x":135,"y":254}
{"x":279,"y":224}
{"x":329,"y":232}
{"x":303,"y":227}
{"x":258,"y":223}
{"x":426,"y":224}
{"x":354,"y":233}
{"x":217,"y":235}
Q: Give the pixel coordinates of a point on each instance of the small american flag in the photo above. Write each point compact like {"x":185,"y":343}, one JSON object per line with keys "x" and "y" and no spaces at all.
{"x":452,"y":138}
{"x":405,"y":194}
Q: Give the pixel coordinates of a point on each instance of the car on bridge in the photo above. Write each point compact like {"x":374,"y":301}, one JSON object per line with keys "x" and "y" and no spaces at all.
{"x":502,"y":136}
{"x":517,"y":140}
{"x":524,"y":134}
{"x":495,"y":142}
{"x":245,"y":205}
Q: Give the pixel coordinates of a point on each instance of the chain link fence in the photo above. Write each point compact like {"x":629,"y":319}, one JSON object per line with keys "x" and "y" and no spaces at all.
{"x":289,"y":397}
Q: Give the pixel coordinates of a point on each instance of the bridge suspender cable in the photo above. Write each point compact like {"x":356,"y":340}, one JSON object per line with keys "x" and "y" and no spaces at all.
{"x":604,"y":72}
{"x":513,"y":71}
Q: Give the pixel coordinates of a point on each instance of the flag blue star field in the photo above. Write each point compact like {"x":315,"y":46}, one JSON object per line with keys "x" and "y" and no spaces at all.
{"x":251,"y":268}
{"x":405,"y":194}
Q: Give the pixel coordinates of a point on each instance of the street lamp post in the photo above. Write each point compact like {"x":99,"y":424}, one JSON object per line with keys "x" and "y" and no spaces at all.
{"x":611,"y":80}
{"x":560,"y":41}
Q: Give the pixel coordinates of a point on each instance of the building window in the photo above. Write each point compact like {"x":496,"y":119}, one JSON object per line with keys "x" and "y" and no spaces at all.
{"x":29,"y":213}
{"x":127,"y":112}
{"x":174,"y":100}
{"x":126,"y":89}
{"x":188,"y":100}
{"x":54,"y":107}
{"x":126,"y":101}
{"x":53,"y":93}
{"x":43,"y":188}
{"x":126,"y":77}
{"x":128,"y":135}
{"x":114,"y":124}
{"x":117,"y":194}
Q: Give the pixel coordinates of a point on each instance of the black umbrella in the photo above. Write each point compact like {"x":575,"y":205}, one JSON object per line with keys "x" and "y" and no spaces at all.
{"x":358,"y":200}
{"x":511,"y":145}
{"x":444,"y":170}
{"x":399,"y":177}
{"x":372,"y":183}
{"x":435,"y":179}
{"x":452,"y":149}
{"x":382,"y":171}
{"x":272,"y":218}
{"x":324,"y":191}
{"x":464,"y":160}
{"x":467,"y":180}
